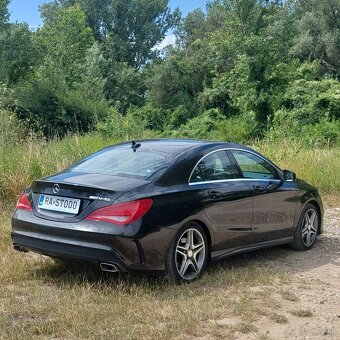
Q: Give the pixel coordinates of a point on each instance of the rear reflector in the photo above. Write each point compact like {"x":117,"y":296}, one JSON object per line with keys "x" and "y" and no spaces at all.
{"x":23,"y":203}
{"x":122,"y":213}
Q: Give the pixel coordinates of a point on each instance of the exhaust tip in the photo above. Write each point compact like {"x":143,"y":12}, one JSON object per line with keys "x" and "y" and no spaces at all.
{"x":108,"y":267}
{"x":20,"y":249}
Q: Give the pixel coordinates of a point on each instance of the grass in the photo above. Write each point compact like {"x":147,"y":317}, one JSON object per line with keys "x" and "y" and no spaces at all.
{"x":22,"y":162}
{"x":302,"y":313}
{"x":42,"y":299}
{"x":317,"y":166}
{"x":289,"y":295}
{"x":278,"y":318}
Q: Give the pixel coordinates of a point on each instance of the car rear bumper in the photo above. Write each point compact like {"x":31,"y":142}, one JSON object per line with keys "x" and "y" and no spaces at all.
{"x":90,"y":241}
{"x":70,"y":251}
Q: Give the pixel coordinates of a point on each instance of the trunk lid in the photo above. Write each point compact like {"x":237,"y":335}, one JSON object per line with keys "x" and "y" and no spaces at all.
{"x":93,"y":190}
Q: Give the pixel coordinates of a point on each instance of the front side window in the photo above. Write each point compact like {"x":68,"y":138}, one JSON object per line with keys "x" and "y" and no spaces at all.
{"x":213,"y":167}
{"x":254,"y":167}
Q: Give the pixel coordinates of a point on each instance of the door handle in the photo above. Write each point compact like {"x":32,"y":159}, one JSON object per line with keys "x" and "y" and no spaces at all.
{"x":214,"y":194}
{"x":272,"y":186}
{"x":258,"y":188}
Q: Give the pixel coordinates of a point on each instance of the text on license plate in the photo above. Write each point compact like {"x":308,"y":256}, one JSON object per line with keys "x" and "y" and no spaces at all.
{"x":57,"y":203}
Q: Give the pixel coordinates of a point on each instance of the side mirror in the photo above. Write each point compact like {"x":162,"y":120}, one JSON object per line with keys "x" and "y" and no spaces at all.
{"x":289,"y":176}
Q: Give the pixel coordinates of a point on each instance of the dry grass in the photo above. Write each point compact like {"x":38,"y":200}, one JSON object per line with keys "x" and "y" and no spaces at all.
{"x":279,"y":318}
{"x":317,"y":166}
{"x":302,"y":313}
{"x":289,"y":295}
{"x":41,"y":299}
{"x":22,"y":162}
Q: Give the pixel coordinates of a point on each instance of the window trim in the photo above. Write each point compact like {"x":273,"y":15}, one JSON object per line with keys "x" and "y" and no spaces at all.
{"x":277,"y":170}
{"x":208,"y":154}
{"x":234,"y":162}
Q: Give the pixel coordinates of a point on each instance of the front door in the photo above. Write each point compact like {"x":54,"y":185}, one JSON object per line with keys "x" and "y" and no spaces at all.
{"x":274,"y":200}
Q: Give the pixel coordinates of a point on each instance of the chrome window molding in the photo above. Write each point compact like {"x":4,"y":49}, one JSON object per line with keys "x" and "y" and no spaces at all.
{"x":237,"y":178}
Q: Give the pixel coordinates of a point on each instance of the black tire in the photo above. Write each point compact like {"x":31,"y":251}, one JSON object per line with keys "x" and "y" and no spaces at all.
{"x":303,"y":241}
{"x":193,"y":259}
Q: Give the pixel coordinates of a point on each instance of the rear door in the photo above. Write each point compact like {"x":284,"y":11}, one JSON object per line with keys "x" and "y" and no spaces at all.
{"x":274,"y":200}
{"x":227,"y":201}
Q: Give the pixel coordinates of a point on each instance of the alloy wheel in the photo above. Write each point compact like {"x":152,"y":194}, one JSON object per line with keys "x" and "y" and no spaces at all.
{"x":309,"y":227}
{"x":190,"y":254}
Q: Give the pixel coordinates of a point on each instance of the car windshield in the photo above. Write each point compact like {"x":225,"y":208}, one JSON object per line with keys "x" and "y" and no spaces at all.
{"x":123,"y":161}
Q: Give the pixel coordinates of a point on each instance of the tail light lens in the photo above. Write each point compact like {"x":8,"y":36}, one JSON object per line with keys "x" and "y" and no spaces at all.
{"x":23,"y":202}
{"x":122,"y":213}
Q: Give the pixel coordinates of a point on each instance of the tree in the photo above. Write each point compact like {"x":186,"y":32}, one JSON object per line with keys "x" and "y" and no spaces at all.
{"x":4,"y":15}
{"x":131,"y":28}
{"x":21,"y":53}
{"x":98,"y":13}
{"x":318,"y":32}
{"x":64,"y":39}
{"x":193,"y":27}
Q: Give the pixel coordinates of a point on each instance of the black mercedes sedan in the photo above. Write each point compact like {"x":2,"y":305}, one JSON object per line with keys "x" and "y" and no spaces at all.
{"x":166,"y":205}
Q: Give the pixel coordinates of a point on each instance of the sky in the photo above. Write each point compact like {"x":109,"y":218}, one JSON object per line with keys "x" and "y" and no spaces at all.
{"x":27,"y":10}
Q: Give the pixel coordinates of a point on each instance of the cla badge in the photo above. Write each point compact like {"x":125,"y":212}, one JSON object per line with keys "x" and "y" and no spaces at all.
{"x":56,"y":188}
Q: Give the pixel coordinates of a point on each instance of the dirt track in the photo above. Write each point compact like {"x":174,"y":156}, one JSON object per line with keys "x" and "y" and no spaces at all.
{"x":316,"y":283}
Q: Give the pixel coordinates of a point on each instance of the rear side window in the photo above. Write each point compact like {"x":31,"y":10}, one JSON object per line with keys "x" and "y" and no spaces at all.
{"x":253,"y":166}
{"x":213,"y":167}
{"x":122,"y":161}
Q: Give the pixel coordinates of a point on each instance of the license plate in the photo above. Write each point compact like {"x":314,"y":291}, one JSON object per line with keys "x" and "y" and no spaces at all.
{"x":57,"y":203}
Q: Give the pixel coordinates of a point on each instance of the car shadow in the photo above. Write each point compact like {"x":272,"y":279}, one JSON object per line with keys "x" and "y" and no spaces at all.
{"x":280,"y":259}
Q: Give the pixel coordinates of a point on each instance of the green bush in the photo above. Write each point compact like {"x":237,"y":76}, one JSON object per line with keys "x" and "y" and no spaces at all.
{"x":57,"y":111}
{"x":203,"y":126}
{"x":180,"y":116}
{"x":12,"y":131}
{"x":322,"y":134}
{"x":83,"y":112}
{"x":151,"y":117}
{"x":309,"y":102}
{"x":309,"y":115}
{"x":239,"y":129}
{"x":121,"y":127}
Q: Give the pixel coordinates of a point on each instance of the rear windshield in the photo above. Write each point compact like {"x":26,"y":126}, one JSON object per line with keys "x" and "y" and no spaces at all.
{"x":122,"y":161}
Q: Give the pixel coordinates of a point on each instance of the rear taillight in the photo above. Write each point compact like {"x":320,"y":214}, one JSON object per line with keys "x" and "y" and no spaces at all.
{"x":23,"y":202}
{"x":122,"y":213}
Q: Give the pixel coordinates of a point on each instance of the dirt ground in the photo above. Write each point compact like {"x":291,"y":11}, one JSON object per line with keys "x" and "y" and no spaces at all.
{"x":274,"y":293}
{"x":316,"y":284}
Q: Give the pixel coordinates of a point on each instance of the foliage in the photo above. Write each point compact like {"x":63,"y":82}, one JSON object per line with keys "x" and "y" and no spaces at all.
{"x":241,"y":129}
{"x":310,"y":113}
{"x":242,"y":70}
{"x":4,"y":14}
{"x":124,"y":86}
{"x":57,"y":111}
{"x":64,"y":38}
{"x":318,"y":32}
{"x":130,"y":27}
{"x":121,"y":127}
{"x":310,"y":101}
{"x":202,"y":126}
{"x":150,"y":117}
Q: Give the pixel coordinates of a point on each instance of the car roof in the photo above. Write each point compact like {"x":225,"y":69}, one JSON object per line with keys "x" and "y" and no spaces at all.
{"x":175,"y":146}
